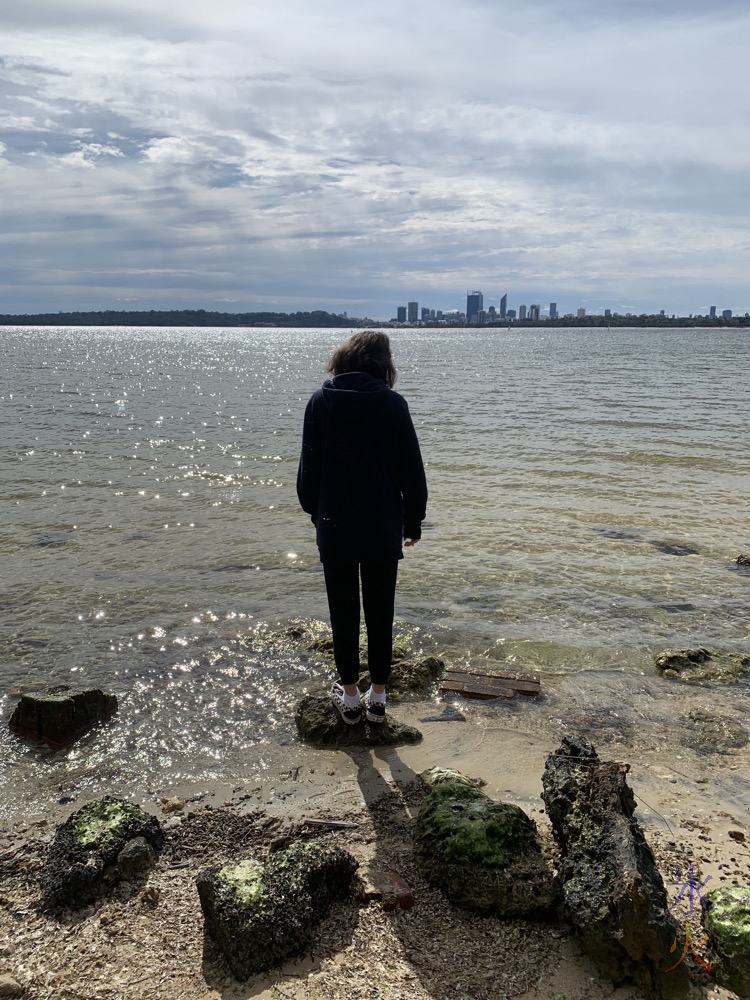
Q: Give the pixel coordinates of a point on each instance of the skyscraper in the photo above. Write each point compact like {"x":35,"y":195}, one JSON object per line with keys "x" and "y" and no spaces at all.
{"x":712,"y":312}
{"x":504,"y":306}
{"x":522,"y":312}
{"x":413,"y":311}
{"x":474,"y":306}
{"x":401,"y":314}
{"x":553,"y":310}
{"x":534,"y":313}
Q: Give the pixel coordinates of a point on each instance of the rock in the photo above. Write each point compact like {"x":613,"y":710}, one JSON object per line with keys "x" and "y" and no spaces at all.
{"x":172,"y":805}
{"x":410,"y":676}
{"x":320,"y":724}
{"x":60,"y":716}
{"x":727,"y":924}
{"x":83,"y":858}
{"x":9,"y":988}
{"x":260,"y":913}
{"x":439,"y":775}
{"x":136,"y":857}
{"x":613,"y":893}
{"x":713,"y":733}
{"x":483,"y":855}
{"x":702,"y":665}
{"x":743,"y":559}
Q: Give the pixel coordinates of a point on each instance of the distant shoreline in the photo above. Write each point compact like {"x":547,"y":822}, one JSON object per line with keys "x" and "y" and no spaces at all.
{"x":320,"y":319}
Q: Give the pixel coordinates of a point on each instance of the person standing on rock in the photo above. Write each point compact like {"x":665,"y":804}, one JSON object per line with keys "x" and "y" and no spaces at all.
{"x":361,"y":480}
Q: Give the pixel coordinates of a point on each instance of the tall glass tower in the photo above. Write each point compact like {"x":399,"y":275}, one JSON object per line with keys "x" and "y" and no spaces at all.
{"x":474,"y":306}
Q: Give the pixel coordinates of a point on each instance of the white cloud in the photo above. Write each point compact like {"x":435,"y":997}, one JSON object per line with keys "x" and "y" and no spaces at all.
{"x":244,"y":152}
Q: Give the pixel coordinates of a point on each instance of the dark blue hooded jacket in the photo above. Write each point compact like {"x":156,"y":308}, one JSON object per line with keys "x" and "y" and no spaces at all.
{"x":361,"y":477}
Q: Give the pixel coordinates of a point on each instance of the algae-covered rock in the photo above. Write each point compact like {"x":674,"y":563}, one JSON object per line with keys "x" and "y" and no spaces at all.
{"x":261,"y":912}
{"x":701,"y":664}
{"x":613,"y":893}
{"x":484,"y":855}
{"x":439,"y":775}
{"x":83,"y":857}
{"x":319,"y":724}
{"x":726,"y":921}
{"x":60,"y":715}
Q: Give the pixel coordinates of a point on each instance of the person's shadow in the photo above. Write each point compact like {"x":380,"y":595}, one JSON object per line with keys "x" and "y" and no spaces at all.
{"x":450,"y":951}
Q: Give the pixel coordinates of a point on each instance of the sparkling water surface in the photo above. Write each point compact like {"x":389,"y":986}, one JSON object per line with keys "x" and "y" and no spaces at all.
{"x":588,"y":495}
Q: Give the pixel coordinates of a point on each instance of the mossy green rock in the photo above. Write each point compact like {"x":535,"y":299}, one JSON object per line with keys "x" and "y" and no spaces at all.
{"x":727,"y":924}
{"x":484,"y":855}
{"x":83,"y":857}
{"x":262,"y":912}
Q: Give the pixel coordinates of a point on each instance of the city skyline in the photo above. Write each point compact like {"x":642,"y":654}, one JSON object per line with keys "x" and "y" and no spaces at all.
{"x":296,"y":156}
{"x":475,"y":313}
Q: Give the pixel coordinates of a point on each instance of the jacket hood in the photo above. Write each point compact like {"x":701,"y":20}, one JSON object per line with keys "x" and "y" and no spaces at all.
{"x":353,"y":392}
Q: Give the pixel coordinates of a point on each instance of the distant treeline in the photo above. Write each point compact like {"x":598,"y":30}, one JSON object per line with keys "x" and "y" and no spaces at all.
{"x":319,"y":318}
{"x":178,"y":317}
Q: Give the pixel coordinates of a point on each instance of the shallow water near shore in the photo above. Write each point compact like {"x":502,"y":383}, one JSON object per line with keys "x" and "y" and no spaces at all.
{"x":588,"y":495}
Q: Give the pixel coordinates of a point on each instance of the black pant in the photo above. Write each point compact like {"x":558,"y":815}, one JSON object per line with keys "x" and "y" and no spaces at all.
{"x":378,"y":598}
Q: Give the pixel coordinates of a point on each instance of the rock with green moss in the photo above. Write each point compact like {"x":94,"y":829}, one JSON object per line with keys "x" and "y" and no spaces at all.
{"x":701,"y":664}
{"x":726,"y":921}
{"x":484,"y":855}
{"x":95,"y":848}
{"x":613,"y":894}
{"x":262,"y":912}
{"x":59,"y":716}
{"x":319,"y":724}
{"x":440,"y":775}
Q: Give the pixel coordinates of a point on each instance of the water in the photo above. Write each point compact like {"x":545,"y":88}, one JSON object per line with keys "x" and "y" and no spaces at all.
{"x":588,"y":494}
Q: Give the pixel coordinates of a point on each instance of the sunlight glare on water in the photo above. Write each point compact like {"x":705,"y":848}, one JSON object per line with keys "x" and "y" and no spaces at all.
{"x":588,"y":494}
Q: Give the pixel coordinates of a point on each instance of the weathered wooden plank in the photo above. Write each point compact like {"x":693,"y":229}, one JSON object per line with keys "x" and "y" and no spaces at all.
{"x":455,"y":687}
{"x":473,"y":684}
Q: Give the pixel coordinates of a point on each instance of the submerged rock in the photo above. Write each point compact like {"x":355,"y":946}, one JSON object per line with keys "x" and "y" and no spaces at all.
{"x":410,"y":676}
{"x":709,"y":732}
{"x":613,"y":893}
{"x":84,"y":858}
{"x":60,"y":715}
{"x":483,"y":855}
{"x":259,"y":913}
{"x":726,"y":921}
{"x":700,"y":664}
{"x":320,"y":724}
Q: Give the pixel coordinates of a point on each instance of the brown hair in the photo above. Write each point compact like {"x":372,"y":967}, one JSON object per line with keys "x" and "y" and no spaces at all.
{"x":366,"y":351}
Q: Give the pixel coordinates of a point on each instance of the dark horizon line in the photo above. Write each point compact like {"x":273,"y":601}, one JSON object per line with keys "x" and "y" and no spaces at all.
{"x":322,"y":318}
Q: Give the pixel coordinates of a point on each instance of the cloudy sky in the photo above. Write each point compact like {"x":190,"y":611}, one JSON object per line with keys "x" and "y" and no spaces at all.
{"x":290,"y":154}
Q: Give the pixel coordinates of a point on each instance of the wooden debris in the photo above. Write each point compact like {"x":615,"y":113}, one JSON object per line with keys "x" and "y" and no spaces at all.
{"x":472,"y":684}
{"x":335,"y":824}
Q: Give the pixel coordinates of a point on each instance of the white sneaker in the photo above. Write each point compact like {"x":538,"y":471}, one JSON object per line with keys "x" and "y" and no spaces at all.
{"x":351,"y":716}
{"x":374,"y":710}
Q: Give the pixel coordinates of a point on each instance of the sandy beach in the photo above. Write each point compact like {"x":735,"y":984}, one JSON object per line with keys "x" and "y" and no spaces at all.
{"x":149,"y":940}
